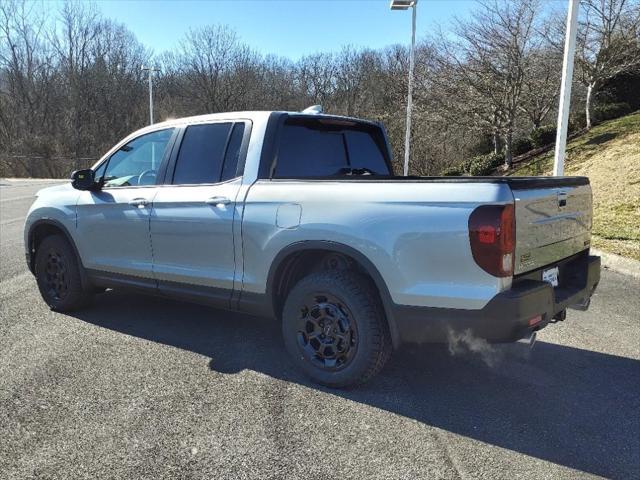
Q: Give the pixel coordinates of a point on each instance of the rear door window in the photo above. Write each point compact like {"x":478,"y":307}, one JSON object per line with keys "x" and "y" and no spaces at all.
{"x":315,"y":149}
{"x":201,"y":156}
{"x":310,"y":152}
{"x":232,"y":157}
{"x":364,"y":152}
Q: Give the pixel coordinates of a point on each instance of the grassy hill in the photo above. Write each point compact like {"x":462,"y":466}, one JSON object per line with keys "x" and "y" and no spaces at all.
{"x":609,"y":154}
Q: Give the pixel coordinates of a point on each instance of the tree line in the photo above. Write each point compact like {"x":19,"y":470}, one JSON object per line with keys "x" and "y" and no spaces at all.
{"x":486,"y":86}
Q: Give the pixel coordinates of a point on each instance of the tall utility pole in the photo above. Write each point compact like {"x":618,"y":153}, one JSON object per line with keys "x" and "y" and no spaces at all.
{"x":404,"y":5}
{"x":150,"y":70}
{"x":565,"y":87}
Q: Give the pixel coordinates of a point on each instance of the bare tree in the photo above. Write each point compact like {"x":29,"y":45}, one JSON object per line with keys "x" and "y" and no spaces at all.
{"x":490,"y":58}
{"x":71,"y":83}
{"x":541,"y":85}
{"x":541,"y":81}
{"x":316,"y":77}
{"x":26,"y":85}
{"x":607,"y":44}
{"x":214,"y":69}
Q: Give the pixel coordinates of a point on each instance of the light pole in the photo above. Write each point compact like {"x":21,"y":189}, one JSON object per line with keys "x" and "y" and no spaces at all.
{"x":404,"y":5}
{"x":565,"y":88}
{"x":150,"y":70}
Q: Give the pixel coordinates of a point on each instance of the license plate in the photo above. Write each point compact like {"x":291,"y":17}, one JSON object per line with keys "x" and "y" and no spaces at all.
{"x":551,"y":276}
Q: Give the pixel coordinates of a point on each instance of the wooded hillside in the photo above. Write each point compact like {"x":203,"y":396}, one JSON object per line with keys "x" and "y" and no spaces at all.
{"x":72,"y":84}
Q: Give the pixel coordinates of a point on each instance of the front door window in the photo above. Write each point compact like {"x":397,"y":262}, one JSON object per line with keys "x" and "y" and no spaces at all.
{"x":137,"y":163}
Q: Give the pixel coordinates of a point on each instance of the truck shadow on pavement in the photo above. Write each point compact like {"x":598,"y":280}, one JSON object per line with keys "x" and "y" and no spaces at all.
{"x":573,"y":407}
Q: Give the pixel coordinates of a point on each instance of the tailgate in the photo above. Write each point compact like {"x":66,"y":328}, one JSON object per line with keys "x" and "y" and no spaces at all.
{"x":552,"y":222}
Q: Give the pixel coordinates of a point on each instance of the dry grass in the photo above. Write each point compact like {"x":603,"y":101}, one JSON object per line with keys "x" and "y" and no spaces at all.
{"x":609,"y":154}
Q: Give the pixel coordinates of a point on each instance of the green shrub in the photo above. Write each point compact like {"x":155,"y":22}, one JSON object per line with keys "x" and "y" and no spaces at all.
{"x":544,"y":135}
{"x":466,"y":165}
{"x":521,"y":145}
{"x":609,"y":111}
{"x":453,"y":172}
{"x":485,"y":164}
{"x":482,"y":147}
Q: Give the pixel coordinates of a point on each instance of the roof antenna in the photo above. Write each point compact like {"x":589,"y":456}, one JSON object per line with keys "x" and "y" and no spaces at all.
{"x":313,"y":110}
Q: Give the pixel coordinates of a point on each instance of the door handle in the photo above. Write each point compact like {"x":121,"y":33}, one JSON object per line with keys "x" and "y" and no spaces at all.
{"x":217,"y":201}
{"x":139,"y":202}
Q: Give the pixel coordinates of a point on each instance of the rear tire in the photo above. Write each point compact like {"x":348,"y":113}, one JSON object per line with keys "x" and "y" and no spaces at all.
{"x":334,"y":328}
{"x":57,"y":271}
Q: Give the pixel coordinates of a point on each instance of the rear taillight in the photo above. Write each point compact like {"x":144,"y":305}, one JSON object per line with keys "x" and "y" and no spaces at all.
{"x":492,"y":238}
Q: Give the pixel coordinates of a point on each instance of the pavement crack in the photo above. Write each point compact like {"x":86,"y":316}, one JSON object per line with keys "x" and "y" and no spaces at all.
{"x":451,"y":459}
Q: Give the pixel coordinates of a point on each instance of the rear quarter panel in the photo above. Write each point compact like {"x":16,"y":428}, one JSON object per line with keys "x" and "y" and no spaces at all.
{"x":415,"y":234}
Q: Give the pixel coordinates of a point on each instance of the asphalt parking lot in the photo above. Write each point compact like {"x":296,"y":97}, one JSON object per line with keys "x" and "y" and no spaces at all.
{"x":140,"y":387}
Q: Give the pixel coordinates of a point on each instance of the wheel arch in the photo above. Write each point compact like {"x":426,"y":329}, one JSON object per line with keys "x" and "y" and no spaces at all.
{"x":43,"y":228}
{"x":278,"y":273}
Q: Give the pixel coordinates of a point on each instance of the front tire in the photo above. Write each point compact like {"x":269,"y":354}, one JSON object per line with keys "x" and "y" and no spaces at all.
{"x":57,"y":271}
{"x":334,"y":328}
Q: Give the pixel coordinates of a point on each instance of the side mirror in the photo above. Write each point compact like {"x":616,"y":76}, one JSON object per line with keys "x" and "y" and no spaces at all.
{"x":84,"y":180}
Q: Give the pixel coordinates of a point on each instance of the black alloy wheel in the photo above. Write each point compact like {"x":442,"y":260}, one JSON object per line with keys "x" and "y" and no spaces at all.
{"x":56,"y":275}
{"x":335,"y":329}
{"x":327,"y":334}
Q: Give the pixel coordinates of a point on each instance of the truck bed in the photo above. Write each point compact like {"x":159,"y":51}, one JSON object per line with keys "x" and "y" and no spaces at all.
{"x":553,"y":214}
{"x":516,"y":183}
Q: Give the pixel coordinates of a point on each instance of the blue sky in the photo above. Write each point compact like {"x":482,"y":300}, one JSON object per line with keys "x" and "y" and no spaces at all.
{"x":290,"y":28}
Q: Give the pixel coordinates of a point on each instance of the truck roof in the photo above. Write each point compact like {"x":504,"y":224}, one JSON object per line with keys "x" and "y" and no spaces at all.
{"x":255,"y":115}
{"x":249,"y":115}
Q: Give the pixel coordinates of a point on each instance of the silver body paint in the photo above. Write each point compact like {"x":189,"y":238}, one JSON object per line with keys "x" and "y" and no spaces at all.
{"x":414,"y":233}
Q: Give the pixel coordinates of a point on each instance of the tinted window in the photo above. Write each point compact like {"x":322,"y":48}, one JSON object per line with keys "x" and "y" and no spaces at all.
{"x":137,"y":162}
{"x":364,"y":152}
{"x":310,"y":152}
{"x":100,"y":170}
{"x":315,"y":149}
{"x":201,"y":154}
{"x":230,"y":169}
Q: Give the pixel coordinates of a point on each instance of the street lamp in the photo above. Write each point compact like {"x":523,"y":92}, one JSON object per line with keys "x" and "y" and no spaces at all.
{"x":405,"y":5}
{"x":565,"y":88}
{"x":150,"y":70}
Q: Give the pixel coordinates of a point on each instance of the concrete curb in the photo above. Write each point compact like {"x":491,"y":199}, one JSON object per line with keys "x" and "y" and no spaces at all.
{"x":619,"y":264}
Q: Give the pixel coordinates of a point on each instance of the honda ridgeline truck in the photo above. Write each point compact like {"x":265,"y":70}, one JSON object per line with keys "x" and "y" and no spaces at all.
{"x":300,"y":217}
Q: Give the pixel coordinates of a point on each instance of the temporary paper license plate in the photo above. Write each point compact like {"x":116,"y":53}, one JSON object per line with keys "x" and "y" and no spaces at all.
{"x":551,"y":276}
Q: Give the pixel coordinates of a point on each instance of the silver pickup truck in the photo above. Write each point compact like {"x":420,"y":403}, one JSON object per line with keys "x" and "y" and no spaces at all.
{"x":299,"y":216}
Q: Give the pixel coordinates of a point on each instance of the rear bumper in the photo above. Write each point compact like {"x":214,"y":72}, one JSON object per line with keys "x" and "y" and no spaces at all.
{"x":506,"y":317}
